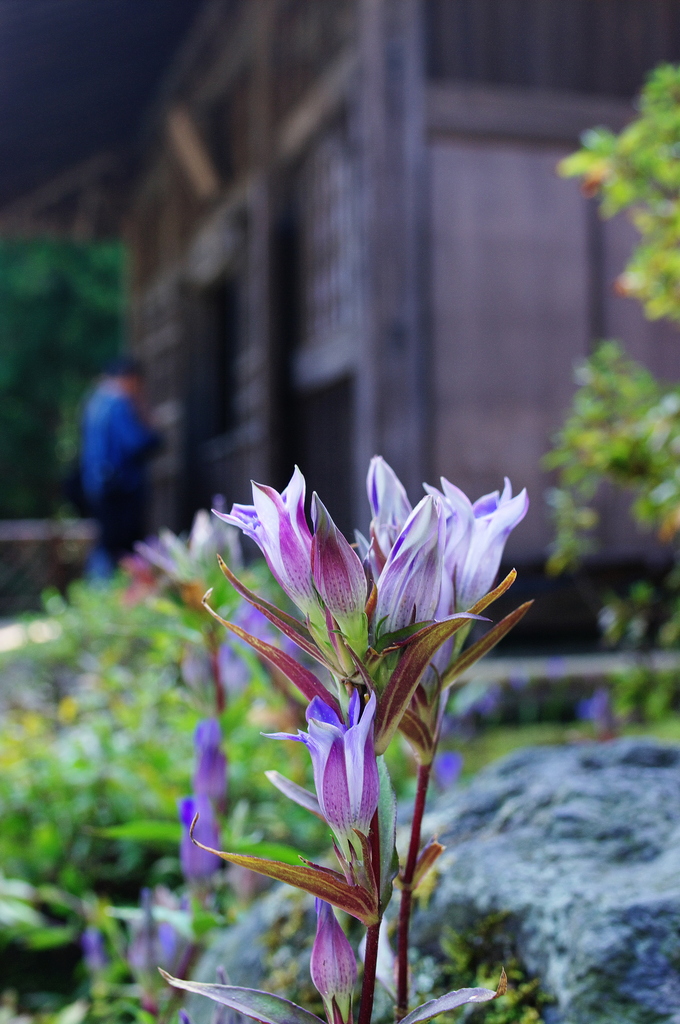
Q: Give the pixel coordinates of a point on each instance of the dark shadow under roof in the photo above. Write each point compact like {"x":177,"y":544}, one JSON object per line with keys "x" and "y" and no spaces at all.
{"x":76,"y":77}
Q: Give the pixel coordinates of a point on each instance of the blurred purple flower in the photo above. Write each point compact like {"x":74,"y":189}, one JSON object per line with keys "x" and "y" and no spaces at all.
{"x":94,"y":951}
{"x":153,"y":944}
{"x":233,"y":670}
{"x":598,"y":710}
{"x":345,"y":767}
{"x":333,"y":966}
{"x":447,"y":767}
{"x":210,"y":777}
{"x":198,"y":864}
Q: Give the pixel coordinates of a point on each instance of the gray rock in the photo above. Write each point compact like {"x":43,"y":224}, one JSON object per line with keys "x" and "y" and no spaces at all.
{"x":580,"y":845}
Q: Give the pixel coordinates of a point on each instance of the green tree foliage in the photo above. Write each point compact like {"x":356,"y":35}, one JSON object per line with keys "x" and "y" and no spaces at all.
{"x":60,"y":320}
{"x":638,"y":171}
{"x":624,"y":425}
{"x":624,"y":428}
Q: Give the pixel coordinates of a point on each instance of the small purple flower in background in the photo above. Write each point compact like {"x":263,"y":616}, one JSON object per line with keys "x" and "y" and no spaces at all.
{"x":345,"y":767}
{"x":184,"y":1018}
{"x":233,"y":670}
{"x":277,"y":524}
{"x":94,"y":951}
{"x":447,"y":767}
{"x":154,"y":943}
{"x":210,"y":777}
{"x":198,"y":864}
{"x":410,"y":583}
{"x":598,"y":710}
{"x":333,"y":966}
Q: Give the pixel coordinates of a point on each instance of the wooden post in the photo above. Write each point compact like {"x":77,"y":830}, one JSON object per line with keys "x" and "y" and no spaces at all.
{"x":392,"y":386}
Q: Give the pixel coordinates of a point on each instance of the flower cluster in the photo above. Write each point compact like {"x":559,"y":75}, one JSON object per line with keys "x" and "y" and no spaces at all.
{"x":386,"y":623}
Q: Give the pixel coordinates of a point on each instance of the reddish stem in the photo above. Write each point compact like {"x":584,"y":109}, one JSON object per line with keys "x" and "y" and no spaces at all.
{"x":370,"y":967}
{"x":407,"y":893}
{"x":372,"y":935}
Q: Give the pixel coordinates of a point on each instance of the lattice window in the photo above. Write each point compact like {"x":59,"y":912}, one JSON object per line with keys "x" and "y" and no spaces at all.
{"x":331,"y":261}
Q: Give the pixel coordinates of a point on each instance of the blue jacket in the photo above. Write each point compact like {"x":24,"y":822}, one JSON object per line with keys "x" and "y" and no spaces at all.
{"x":115,"y":443}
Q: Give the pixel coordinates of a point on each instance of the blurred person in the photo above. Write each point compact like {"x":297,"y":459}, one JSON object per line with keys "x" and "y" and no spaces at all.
{"x":116,"y":441}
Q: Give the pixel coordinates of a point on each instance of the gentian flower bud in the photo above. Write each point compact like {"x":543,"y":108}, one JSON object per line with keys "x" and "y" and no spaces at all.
{"x":339,"y":576}
{"x":198,"y":864}
{"x":409,"y":586}
{"x":333,"y":966}
{"x":345,"y":767}
{"x":390,"y":506}
{"x":277,"y":524}
{"x":210,"y":778}
{"x":476,"y":537}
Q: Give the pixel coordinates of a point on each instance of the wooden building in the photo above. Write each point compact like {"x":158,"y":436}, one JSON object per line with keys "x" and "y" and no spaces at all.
{"x":347,"y":236}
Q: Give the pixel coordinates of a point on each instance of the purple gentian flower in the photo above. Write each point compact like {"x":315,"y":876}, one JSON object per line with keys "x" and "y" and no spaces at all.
{"x":345,"y":767}
{"x":198,"y":864}
{"x":475,"y":539}
{"x":409,"y":585}
{"x":210,"y":777}
{"x":94,"y":951}
{"x":339,"y":576}
{"x":277,"y":524}
{"x":333,"y":966}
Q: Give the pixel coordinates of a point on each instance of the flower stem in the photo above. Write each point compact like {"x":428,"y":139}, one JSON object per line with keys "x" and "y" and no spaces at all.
{"x":370,"y":966}
{"x":372,"y":934}
{"x":407,"y":892}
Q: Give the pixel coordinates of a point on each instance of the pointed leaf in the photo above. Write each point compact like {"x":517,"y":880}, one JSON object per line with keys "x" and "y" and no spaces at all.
{"x":454,"y":999}
{"x":306,"y":681}
{"x":387,"y":827}
{"x":288,"y":624}
{"x":409,"y":671}
{"x":418,"y":735}
{"x":485,"y":644}
{"x":405,"y":636}
{"x":262,"y":1006}
{"x":494,"y":594}
{"x":426,"y":860}
{"x":298,"y":794}
{"x":325,"y":883}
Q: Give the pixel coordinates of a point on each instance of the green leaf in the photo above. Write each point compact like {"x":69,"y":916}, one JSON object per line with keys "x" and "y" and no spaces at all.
{"x":262,"y":1006}
{"x":452,"y":1000}
{"x":49,"y":938}
{"x":163,"y":833}
{"x":387,"y":826}
{"x":486,"y":643}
